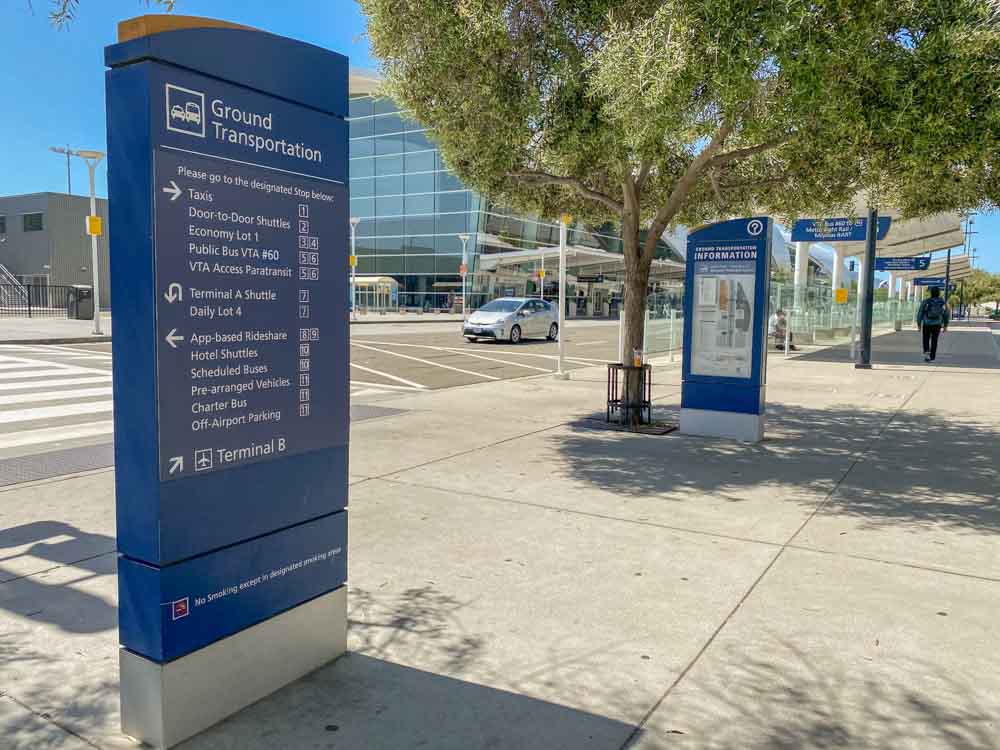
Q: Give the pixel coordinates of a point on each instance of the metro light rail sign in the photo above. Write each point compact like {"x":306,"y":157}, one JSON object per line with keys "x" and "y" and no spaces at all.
{"x":916,"y":263}
{"x":228,"y":192}
{"x":837,"y":230}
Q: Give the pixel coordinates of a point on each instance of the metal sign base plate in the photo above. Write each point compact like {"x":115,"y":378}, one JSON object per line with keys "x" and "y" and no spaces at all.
{"x":164,"y":704}
{"x":722,"y":424}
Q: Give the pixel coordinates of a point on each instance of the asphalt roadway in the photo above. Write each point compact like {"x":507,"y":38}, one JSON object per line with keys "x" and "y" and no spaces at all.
{"x":58,"y":399}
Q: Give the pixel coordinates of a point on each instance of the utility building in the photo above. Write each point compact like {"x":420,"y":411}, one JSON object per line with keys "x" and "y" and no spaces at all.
{"x":43,"y":242}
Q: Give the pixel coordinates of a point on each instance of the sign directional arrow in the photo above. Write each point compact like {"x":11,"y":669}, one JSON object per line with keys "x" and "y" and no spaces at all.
{"x":174,"y":293}
{"x":173,"y":338}
{"x":173,"y":191}
{"x":176,"y":464}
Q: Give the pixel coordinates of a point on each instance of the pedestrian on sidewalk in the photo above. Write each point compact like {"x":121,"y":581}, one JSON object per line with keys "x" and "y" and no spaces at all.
{"x":777,"y":326}
{"x":932,"y":318}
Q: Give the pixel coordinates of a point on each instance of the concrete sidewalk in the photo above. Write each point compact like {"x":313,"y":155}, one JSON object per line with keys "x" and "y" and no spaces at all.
{"x":520,"y":579}
{"x":52,"y":330}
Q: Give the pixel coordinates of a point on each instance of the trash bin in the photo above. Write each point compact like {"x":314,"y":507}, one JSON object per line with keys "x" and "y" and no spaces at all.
{"x":80,"y":305}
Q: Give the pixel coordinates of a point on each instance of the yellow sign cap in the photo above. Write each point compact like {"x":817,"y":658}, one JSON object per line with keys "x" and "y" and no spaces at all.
{"x":841,"y":296}
{"x":352,"y":260}
{"x":541,"y":274}
{"x":94,"y":226}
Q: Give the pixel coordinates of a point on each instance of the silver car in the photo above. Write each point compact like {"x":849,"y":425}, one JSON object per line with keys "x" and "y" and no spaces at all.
{"x":511,"y":319}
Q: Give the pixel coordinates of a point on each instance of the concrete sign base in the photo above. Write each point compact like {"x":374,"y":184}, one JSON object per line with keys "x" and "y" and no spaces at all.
{"x":722,"y":424}
{"x":164,"y":704}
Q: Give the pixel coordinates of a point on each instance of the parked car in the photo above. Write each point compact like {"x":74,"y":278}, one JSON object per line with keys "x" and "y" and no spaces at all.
{"x":512,"y":319}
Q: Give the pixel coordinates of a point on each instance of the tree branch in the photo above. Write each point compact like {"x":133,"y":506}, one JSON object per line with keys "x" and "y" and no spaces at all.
{"x":644,"y":169}
{"x":681,"y":189}
{"x":550,"y":179}
{"x":742,"y":153}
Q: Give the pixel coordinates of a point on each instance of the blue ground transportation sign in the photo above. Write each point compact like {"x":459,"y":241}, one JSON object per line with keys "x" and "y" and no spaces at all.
{"x":929,"y":281}
{"x":228,"y":171}
{"x":915,"y":263}
{"x":837,"y":230}
{"x":725,"y":325}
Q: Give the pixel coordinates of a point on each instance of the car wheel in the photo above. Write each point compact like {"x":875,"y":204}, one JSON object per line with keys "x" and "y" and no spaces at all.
{"x":515,"y":334}
{"x":553,"y":331}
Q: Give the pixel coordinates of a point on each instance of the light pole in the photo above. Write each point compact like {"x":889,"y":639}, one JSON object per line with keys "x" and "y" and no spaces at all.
{"x":93,"y":158}
{"x":353,"y":261}
{"x":564,"y":221}
{"x":68,"y":152}
{"x":464,"y":268}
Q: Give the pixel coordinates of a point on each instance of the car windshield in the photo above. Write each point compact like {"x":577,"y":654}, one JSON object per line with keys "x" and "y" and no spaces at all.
{"x":500,"y":305}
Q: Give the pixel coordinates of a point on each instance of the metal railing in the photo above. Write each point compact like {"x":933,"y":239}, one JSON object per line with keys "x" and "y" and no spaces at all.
{"x":19,"y":301}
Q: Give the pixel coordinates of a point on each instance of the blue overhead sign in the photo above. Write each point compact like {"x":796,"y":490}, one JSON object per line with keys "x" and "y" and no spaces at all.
{"x":228,"y":192}
{"x":837,"y":230}
{"x":917,"y":263}
{"x":725,"y":326}
{"x":929,"y":281}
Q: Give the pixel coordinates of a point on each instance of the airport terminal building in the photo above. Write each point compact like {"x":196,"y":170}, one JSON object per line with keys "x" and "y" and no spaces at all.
{"x":413,"y":212}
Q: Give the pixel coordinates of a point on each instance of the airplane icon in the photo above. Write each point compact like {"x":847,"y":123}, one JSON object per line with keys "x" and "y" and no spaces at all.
{"x":203,"y":459}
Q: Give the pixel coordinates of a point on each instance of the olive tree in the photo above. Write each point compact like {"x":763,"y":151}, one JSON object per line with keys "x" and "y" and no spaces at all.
{"x":654,"y":113}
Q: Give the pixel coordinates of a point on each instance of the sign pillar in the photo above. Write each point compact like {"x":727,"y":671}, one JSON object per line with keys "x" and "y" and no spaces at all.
{"x":228,"y":192}
{"x":725,"y":330}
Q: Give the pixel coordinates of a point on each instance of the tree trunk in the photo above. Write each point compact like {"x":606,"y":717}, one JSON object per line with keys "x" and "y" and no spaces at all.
{"x":633,"y":324}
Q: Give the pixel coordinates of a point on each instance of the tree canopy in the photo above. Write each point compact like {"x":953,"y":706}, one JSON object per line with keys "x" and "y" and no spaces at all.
{"x":709,"y":107}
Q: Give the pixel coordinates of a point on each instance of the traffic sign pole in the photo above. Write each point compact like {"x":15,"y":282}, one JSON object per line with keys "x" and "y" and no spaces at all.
{"x":563,"y":224}
{"x":864,"y":360}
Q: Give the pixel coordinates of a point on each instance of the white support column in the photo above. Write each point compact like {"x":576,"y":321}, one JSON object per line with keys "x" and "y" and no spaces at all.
{"x":892,"y":286}
{"x":837,"y":277}
{"x":801,"y":272}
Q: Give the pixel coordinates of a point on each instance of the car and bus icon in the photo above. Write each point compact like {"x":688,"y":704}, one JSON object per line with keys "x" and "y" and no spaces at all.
{"x":190,"y":112}
{"x":185,"y":110}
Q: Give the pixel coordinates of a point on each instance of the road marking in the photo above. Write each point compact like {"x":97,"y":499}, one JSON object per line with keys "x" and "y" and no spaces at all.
{"x":51,"y":412}
{"x":56,"y":434}
{"x":390,"y":377}
{"x":463,"y":352}
{"x":579,"y":360}
{"x":426,"y":362}
{"x":386,"y":385}
{"x":22,"y":398}
{"x":90,"y":379}
{"x":70,"y":349}
{"x":13,"y":375}
{"x":46,"y":363}
{"x":589,"y":343}
{"x":14,"y":365}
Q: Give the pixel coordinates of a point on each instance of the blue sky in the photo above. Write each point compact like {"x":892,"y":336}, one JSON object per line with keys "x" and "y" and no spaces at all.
{"x":53,"y":81}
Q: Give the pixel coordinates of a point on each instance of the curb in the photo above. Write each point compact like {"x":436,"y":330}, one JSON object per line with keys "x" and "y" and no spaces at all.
{"x":403,"y":322}
{"x":60,"y":340}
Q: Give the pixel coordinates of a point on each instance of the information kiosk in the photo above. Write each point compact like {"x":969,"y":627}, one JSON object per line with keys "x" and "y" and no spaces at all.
{"x":725,"y":329}
{"x":228,"y":193}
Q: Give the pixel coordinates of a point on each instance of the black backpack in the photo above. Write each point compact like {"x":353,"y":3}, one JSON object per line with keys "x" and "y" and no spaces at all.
{"x":934,"y":312}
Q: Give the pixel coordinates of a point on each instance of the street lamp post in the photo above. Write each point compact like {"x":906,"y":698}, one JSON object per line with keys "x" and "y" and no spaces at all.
{"x":355,"y":220}
{"x":68,"y":152}
{"x":465,"y":270}
{"x":564,"y":221}
{"x":92,"y":159}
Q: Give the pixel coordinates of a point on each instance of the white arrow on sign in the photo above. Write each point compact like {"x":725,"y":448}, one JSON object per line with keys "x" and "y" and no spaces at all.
{"x":176,"y":464}
{"x":175,"y":293}
{"x":173,"y":339}
{"x":173,"y":191}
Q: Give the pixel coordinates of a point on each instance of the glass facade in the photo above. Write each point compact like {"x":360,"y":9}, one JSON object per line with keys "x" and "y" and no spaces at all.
{"x":413,"y":211}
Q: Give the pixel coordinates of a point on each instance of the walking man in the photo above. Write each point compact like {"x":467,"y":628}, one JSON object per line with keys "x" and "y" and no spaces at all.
{"x":932,"y":318}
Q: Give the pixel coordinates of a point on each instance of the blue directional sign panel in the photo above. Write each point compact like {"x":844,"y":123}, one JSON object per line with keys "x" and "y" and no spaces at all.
{"x":725,"y":316}
{"x":916,"y":263}
{"x":228,"y":193}
{"x":929,"y":281}
{"x":837,"y":230}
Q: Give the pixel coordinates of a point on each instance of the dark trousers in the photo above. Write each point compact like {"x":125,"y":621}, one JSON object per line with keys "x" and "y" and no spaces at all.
{"x":930,"y":334}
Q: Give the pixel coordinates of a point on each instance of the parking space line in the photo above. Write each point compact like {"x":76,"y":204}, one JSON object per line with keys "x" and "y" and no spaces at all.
{"x":464,"y":353}
{"x":31,"y":385}
{"x":578,"y":360}
{"x":56,"y":434}
{"x":387,"y":375}
{"x":386,"y":385}
{"x":20,"y":398}
{"x":426,"y":361}
{"x":50,"y":412}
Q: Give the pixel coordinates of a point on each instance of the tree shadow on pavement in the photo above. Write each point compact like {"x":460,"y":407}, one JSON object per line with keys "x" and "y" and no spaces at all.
{"x":373,"y":698}
{"x":931,"y":468}
{"x":33,"y":560}
{"x":789,"y":700}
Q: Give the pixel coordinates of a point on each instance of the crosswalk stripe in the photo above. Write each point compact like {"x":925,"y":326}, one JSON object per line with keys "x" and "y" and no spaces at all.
{"x":11,"y":375}
{"x":52,"y":412}
{"x":86,"y":380}
{"x":24,"y":398}
{"x":56,"y":434}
